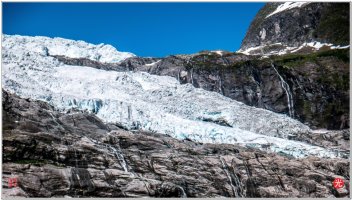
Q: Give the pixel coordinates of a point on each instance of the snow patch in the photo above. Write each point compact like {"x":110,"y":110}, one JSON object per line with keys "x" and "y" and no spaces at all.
{"x":218,"y":52}
{"x":152,"y":64}
{"x":284,"y":49}
{"x":287,"y":6}
{"x":320,"y":131}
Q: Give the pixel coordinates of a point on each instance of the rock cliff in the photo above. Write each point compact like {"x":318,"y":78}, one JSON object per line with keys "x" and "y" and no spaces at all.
{"x":74,"y":154}
{"x":295,"y":23}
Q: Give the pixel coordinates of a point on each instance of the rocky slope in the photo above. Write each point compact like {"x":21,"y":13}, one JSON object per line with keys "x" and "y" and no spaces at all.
{"x":292,"y":24}
{"x":74,"y":154}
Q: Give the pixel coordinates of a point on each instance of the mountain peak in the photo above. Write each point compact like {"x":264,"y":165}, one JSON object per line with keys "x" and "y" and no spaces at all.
{"x":294,"y":24}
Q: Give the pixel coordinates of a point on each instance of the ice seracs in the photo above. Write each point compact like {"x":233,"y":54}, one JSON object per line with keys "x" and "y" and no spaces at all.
{"x":138,"y":100}
{"x":65,"y":47}
{"x":155,"y":103}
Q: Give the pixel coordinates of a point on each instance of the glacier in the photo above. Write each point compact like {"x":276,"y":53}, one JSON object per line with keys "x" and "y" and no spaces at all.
{"x":141,"y":101}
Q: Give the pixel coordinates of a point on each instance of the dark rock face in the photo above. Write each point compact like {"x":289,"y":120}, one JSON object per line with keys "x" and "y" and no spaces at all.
{"x":323,"y":22}
{"x":74,"y":154}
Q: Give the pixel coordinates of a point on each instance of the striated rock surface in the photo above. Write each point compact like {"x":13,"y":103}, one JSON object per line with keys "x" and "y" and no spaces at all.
{"x":74,"y":154}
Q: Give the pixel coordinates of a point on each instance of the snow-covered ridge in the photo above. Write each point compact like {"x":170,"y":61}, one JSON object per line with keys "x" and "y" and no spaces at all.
{"x":287,"y":6}
{"x":282,"y":49}
{"x":137,"y":100}
{"x":219,"y":52}
{"x":65,"y":47}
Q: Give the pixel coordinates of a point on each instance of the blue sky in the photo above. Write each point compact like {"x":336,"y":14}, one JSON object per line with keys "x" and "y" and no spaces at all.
{"x":145,"y":29}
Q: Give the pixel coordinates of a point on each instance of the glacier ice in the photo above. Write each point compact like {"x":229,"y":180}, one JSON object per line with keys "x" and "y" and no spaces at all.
{"x":65,"y":47}
{"x":138,"y":100}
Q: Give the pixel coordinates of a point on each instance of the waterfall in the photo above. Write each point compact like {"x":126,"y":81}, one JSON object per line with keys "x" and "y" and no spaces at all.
{"x":183,"y":193}
{"x":117,"y":153}
{"x":75,"y":157}
{"x":178,"y":76}
{"x":220,"y":84}
{"x":286,"y":87}
{"x":240,"y":190}
{"x":52,"y":116}
{"x":119,"y":156}
{"x":234,"y":190}
{"x":192,"y":76}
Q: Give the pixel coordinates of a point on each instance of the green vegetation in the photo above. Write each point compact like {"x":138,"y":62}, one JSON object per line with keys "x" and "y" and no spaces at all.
{"x":342,"y":54}
{"x":293,"y":60}
{"x":333,"y":109}
{"x":333,"y":79}
{"x":205,"y":61}
{"x":306,"y":109}
{"x":336,"y":80}
{"x":213,"y":61}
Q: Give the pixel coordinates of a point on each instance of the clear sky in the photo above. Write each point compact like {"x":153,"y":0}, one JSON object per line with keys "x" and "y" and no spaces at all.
{"x":145,"y":29}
